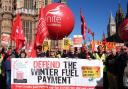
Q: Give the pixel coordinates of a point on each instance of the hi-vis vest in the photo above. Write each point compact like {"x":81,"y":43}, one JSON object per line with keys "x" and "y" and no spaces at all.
{"x":103,"y":57}
{"x":1,"y":58}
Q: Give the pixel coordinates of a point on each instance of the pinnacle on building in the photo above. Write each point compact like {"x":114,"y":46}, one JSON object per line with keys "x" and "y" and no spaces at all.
{"x":113,"y":26}
{"x":111,"y":29}
{"x":119,"y":15}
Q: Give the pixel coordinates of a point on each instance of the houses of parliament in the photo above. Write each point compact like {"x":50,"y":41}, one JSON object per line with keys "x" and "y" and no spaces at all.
{"x":113,"y":24}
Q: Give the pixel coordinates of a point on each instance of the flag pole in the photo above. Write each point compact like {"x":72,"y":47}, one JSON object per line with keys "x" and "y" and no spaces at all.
{"x":84,"y":41}
{"x":93,"y":43}
{"x":93,"y":37}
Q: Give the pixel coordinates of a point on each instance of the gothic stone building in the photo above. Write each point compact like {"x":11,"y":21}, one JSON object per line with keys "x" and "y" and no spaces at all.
{"x":112,"y":28}
{"x":29,"y":11}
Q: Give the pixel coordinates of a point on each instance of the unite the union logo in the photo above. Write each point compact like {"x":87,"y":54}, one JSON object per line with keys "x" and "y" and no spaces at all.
{"x":54,"y":16}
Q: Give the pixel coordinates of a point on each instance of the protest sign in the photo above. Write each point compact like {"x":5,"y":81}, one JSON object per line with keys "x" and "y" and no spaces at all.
{"x":67,"y":43}
{"x":77,"y":41}
{"x":5,"y":39}
{"x":54,"y":73}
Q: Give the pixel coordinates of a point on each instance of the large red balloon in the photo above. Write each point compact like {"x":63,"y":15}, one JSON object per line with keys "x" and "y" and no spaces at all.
{"x":59,"y":20}
{"x":123,"y":30}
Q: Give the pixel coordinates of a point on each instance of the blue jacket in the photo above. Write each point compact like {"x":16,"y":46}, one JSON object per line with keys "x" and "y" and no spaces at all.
{"x":7,"y":64}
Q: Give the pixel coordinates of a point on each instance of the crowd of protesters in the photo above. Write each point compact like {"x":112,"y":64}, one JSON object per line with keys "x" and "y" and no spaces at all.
{"x":115,"y":75}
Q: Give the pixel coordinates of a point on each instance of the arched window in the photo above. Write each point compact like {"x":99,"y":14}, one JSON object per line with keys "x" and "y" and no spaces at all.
{"x":46,"y":2}
{"x":27,"y":27}
{"x":10,"y":9}
{"x":5,"y":8}
{"x":28,"y":4}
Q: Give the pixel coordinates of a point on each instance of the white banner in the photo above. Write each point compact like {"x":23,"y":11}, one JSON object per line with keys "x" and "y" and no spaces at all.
{"x":5,"y":39}
{"x":77,"y":41}
{"x":54,"y":73}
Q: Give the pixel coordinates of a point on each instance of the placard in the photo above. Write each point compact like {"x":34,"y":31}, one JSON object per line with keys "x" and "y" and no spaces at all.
{"x":54,"y":73}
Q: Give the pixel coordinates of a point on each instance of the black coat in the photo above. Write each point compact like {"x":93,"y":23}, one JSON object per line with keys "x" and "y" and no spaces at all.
{"x":120,"y":64}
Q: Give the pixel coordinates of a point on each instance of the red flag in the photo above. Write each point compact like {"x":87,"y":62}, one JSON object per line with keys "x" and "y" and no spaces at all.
{"x":19,"y":44}
{"x":26,"y":44}
{"x":31,"y":50}
{"x":90,"y":32}
{"x":17,"y":32}
{"x":104,"y":39}
{"x":93,"y":45}
{"x":42,"y":31}
{"x":13,"y":30}
{"x":83,"y":25}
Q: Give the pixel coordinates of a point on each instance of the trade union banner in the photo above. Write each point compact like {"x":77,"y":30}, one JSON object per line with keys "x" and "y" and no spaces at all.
{"x":54,"y":73}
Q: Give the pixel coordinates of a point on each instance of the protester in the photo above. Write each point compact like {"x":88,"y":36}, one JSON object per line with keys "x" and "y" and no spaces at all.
{"x":100,"y":55}
{"x":52,"y":54}
{"x":7,"y":68}
{"x":64,"y":54}
{"x":115,"y":70}
{"x":110,"y":64}
{"x":120,"y":65}
{"x":58,"y":52}
{"x":23,"y":54}
{"x":84,"y":53}
{"x":14,"y":54}
{"x":71,"y":53}
{"x":1,"y":70}
{"x":47,"y":53}
{"x":39,"y":51}
{"x":77,"y":52}
{"x":125,"y":77}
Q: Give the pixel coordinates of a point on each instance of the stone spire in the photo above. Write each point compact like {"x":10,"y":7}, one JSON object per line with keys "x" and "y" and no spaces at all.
{"x":119,"y":15}
{"x":111,"y":19}
{"x":111,"y":29}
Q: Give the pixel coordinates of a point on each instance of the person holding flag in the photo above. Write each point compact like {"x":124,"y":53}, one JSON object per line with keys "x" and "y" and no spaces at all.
{"x":92,"y":43}
{"x":91,"y":33}
{"x":42,"y":33}
{"x":31,"y":52}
